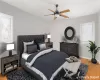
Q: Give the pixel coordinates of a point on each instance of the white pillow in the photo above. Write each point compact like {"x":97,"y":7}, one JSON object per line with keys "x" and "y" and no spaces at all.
{"x":25,"y":45}
{"x":25,"y":55}
{"x":42,"y":46}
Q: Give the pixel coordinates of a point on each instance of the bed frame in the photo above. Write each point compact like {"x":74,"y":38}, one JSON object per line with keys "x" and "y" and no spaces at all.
{"x":27,"y":38}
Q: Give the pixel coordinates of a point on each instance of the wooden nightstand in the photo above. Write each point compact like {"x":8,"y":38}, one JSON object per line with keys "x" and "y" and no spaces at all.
{"x":9,"y":63}
{"x":49,"y":44}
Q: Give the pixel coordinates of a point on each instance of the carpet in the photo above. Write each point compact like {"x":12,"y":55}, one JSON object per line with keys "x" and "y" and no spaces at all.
{"x":83,"y":70}
{"x":23,"y":75}
{"x":19,"y":75}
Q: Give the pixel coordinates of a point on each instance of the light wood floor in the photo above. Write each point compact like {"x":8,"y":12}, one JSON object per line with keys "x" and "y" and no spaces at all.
{"x":93,"y":70}
{"x":3,"y":77}
{"x":92,"y":74}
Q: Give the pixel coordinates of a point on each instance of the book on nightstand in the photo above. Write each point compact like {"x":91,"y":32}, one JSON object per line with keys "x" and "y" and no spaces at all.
{"x":9,"y":68}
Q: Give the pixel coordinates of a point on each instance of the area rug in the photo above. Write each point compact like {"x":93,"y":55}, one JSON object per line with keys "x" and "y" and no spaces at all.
{"x":20,"y":75}
{"x":83,"y":70}
{"x":23,"y":75}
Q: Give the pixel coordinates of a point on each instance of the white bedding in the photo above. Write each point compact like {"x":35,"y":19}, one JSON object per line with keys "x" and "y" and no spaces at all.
{"x":25,"y":55}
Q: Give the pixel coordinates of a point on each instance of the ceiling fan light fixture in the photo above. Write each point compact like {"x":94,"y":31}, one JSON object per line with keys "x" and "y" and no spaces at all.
{"x":56,"y":15}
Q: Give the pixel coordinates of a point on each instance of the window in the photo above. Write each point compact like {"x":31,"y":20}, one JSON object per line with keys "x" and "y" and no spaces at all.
{"x":6,"y":28}
{"x":87,"y":32}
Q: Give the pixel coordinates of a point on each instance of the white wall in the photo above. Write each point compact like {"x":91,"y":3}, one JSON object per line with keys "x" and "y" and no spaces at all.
{"x":58,"y":27}
{"x":24,"y":23}
{"x":98,"y":37}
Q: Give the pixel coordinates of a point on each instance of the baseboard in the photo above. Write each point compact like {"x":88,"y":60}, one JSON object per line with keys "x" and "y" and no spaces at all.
{"x":89,"y":58}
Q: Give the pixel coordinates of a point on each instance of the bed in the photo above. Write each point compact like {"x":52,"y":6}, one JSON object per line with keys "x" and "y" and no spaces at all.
{"x":46,"y":66}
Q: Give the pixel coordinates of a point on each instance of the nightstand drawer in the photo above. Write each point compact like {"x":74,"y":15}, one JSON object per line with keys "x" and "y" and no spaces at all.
{"x":49,"y":45}
{"x":10,"y":59}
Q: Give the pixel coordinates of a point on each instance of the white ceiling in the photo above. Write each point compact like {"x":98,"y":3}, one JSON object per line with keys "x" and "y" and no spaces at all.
{"x":40,"y":7}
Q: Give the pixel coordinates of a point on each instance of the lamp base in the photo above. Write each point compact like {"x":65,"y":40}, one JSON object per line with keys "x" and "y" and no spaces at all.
{"x":48,"y":40}
{"x":10,"y":52}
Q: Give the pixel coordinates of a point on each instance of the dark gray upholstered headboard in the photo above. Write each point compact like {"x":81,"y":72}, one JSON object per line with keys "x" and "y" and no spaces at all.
{"x":27,"y":38}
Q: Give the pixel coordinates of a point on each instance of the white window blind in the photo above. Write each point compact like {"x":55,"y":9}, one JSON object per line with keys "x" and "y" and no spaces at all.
{"x":6,"y":28}
{"x":87,"y":32}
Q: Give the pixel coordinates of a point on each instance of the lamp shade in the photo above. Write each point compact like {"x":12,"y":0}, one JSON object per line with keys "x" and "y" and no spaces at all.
{"x":49,"y":36}
{"x":10,"y":47}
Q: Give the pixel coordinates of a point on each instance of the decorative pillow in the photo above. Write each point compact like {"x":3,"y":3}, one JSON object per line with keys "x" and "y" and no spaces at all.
{"x":25,"y":45}
{"x":32,"y":48}
{"x":37,"y":43}
{"x":42,"y":46}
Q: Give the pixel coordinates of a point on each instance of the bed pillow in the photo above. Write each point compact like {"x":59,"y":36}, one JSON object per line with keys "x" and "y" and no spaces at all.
{"x":31,"y":48}
{"x":25,"y":45}
{"x":37,"y":43}
{"x":42,"y":46}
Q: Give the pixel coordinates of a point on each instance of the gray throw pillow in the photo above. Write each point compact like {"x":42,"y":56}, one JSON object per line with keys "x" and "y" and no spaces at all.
{"x":25,"y":45}
{"x":32,"y":48}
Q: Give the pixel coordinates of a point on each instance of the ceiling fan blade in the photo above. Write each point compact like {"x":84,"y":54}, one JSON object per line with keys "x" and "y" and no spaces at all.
{"x":64,"y":16}
{"x":51,"y":10}
{"x":55,"y":17}
{"x":67,"y":10}
{"x":48,"y":14}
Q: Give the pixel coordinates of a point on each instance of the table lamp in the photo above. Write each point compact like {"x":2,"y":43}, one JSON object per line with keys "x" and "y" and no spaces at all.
{"x":49,"y":36}
{"x":10,"y":47}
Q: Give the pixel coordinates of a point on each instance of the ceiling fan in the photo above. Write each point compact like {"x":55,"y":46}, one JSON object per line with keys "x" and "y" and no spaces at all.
{"x":57,"y":13}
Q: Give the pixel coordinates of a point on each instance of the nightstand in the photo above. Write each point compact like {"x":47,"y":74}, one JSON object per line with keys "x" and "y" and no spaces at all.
{"x":9,"y":63}
{"x":49,"y":44}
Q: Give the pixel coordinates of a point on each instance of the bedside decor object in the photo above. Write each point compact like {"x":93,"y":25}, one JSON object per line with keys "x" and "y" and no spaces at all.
{"x":69,"y":33}
{"x":94,"y":50}
{"x":64,"y":39}
{"x":76,"y":39}
{"x":10,"y":47}
{"x":49,"y":36}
